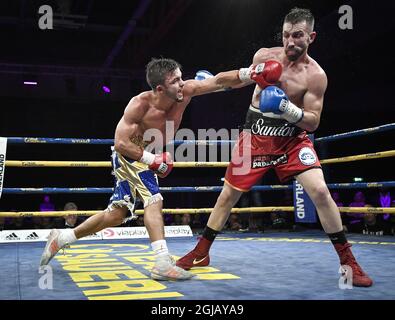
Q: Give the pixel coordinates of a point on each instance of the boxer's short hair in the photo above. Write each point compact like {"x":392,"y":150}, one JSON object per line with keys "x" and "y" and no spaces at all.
{"x":157,"y":70}
{"x":297,"y":15}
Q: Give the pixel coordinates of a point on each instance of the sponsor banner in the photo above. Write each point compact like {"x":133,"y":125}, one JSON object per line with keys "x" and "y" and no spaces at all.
{"x":178,"y":231}
{"x":125,"y":233}
{"x":141,"y":232}
{"x":32,"y":235}
{"x":35,"y":235}
{"x":95,"y":236}
{"x":304,"y":207}
{"x":3,"y":151}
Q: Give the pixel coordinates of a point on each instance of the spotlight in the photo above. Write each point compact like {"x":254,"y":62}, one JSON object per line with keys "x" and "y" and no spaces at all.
{"x":30,"y":83}
{"x":106,"y":89}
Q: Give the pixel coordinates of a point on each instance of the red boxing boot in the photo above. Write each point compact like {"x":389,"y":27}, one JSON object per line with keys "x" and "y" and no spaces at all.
{"x":198,"y":257}
{"x":359,"y":277}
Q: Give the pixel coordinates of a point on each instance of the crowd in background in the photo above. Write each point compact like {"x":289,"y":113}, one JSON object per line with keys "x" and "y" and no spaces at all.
{"x":362,"y":223}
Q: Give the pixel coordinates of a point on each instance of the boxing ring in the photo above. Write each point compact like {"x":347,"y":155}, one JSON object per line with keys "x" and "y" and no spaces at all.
{"x":244,"y":266}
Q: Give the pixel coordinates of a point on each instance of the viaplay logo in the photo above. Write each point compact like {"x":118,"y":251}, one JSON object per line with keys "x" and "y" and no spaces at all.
{"x":109,"y":233}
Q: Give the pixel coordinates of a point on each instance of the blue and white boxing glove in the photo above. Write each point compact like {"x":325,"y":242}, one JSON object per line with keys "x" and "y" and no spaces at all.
{"x":203,"y":75}
{"x":274,"y":100}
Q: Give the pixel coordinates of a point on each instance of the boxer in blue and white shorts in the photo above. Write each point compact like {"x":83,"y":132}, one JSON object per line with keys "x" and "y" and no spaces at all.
{"x":133,"y":180}
{"x":136,"y":169}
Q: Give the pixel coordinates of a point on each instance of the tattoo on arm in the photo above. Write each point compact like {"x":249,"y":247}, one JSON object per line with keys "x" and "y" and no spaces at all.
{"x":138,"y":141}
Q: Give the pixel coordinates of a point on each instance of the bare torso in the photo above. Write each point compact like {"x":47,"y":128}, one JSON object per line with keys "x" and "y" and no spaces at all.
{"x":153,"y":117}
{"x":156,"y":118}
{"x":161,"y":111}
{"x":294,"y":79}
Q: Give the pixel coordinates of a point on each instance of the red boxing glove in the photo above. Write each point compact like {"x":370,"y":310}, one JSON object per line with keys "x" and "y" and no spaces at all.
{"x":162,"y":164}
{"x":264,"y":74}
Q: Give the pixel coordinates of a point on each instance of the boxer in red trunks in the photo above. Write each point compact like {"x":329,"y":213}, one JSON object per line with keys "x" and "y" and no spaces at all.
{"x":275,"y":138}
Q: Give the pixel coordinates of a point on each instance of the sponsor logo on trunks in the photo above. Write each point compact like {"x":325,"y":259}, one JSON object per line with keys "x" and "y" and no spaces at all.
{"x":307,"y":156}
{"x":272,"y":131}
{"x":268,"y":160}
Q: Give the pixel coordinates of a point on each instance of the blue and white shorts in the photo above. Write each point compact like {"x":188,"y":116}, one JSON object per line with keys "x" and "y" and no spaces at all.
{"x":133,"y":180}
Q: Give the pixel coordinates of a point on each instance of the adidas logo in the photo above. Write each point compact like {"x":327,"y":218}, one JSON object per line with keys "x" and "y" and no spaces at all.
{"x":32,"y":236}
{"x":12,"y":236}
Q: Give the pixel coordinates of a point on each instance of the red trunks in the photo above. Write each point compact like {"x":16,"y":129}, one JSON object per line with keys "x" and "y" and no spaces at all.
{"x":254,"y":154}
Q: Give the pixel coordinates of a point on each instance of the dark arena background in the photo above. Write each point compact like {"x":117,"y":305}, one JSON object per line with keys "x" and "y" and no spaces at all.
{"x":75,"y":80}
